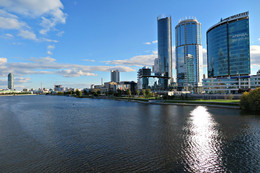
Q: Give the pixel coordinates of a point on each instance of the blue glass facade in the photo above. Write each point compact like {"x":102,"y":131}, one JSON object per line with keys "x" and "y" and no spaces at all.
{"x":164,"y":50}
{"x":228,"y":47}
{"x":189,"y":67}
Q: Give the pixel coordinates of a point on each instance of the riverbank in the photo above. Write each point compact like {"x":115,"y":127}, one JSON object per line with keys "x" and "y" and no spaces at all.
{"x":231,"y":104}
{"x":18,"y":94}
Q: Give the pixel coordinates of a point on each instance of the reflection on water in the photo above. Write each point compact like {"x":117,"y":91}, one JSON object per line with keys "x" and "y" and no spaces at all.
{"x":64,"y":134}
{"x":203,"y":152}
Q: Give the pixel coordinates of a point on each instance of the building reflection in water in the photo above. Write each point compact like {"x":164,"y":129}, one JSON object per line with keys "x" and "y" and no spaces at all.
{"x":203,"y":145}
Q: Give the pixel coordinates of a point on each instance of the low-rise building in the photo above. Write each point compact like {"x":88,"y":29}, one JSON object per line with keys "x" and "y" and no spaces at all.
{"x":125,"y":85}
{"x":231,"y":85}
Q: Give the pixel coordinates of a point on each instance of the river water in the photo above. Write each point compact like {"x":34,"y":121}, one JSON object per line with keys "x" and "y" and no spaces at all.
{"x":66,"y":134}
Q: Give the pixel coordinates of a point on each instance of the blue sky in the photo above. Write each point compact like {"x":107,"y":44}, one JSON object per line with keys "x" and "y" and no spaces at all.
{"x":77,"y":42}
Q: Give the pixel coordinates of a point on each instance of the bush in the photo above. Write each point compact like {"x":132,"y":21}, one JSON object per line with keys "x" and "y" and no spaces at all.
{"x":230,"y":96}
{"x":251,"y":100}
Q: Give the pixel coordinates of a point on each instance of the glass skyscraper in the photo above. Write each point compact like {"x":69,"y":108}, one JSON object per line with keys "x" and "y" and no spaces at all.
{"x":228,"y":50}
{"x":10,"y":81}
{"x":189,"y":58}
{"x":164,"y":51}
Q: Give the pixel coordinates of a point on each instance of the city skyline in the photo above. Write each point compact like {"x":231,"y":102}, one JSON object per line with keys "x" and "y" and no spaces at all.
{"x":76,"y":43}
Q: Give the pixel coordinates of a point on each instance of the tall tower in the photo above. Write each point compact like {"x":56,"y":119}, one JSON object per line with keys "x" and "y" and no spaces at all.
{"x":10,"y":81}
{"x":189,"y":57}
{"x":164,"y":51}
{"x":115,"y":76}
{"x":228,"y":47}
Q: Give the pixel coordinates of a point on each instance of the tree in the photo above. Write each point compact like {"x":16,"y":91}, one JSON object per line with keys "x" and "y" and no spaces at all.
{"x":80,"y":94}
{"x":251,"y":100}
{"x":137,"y":92}
{"x":77,"y":92}
{"x":143,"y":92}
{"x":129,"y":92}
{"x":85,"y":92}
{"x":110,"y":92}
{"x":118,"y":92}
{"x":148,"y":92}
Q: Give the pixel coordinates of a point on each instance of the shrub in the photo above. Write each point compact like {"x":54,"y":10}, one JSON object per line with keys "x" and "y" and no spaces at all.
{"x":230,"y":97}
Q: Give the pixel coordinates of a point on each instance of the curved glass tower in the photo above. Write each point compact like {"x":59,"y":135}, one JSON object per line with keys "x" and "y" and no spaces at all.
{"x":228,"y":49}
{"x":164,"y":51}
{"x":189,"y":58}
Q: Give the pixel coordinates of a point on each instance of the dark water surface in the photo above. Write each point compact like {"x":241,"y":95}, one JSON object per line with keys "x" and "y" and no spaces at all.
{"x":64,"y":134}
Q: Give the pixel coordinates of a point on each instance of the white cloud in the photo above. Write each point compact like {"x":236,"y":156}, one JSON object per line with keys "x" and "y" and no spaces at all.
{"x":51,"y":47}
{"x":259,"y":39}
{"x":48,"y":65}
{"x":153,"y":42}
{"x":10,"y":23}
{"x":27,"y":35}
{"x":8,"y":35}
{"x":75,"y":73}
{"x":89,"y":60}
{"x":49,"y":40}
{"x":59,"y":34}
{"x":255,"y":55}
{"x":49,"y":52}
{"x":42,"y":60}
{"x":3,"y":60}
{"x":140,"y":60}
{"x":49,"y":11}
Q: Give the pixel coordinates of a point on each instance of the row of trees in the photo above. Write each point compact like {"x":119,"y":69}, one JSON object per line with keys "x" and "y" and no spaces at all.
{"x":144,"y":92}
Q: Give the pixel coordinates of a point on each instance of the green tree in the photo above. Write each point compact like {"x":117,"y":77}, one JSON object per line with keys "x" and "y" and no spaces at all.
{"x":85,"y":92}
{"x":143,"y":92}
{"x":118,"y":93}
{"x":137,"y":92}
{"x":129,"y":92}
{"x":251,"y":101}
{"x":77,"y":92}
{"x":110,"y":92}
{"x":148,"y":92}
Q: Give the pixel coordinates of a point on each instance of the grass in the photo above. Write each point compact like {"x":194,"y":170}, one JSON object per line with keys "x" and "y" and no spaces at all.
{"x":209,"y":102}
{"x":218,"y":101}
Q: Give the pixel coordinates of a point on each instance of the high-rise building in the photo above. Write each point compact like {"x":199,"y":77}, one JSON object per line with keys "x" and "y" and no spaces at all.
{"x":143,"y":77}
{"x":228,"y":50}
{"x":115,"y":76}
{"x":10,"y":81}
{"x":189,"y":57}
{"x":164,"y":51}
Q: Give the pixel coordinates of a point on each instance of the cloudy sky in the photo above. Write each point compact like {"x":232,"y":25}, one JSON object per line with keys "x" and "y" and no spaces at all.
{"x":77,"y":42}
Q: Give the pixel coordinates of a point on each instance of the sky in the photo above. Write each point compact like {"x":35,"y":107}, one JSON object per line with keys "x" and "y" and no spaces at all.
{"x":75,"y":43}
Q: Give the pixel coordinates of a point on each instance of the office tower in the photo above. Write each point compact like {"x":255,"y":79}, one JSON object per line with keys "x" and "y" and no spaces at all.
{"x":115,"y":76}
{"x":228,"y":51}
{"x":10,"y":81}
{"x":189,"y":57}
{"x":164,"y":51}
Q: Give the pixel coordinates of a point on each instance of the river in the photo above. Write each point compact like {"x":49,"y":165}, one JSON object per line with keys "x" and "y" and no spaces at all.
{"x":66,"y":134}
